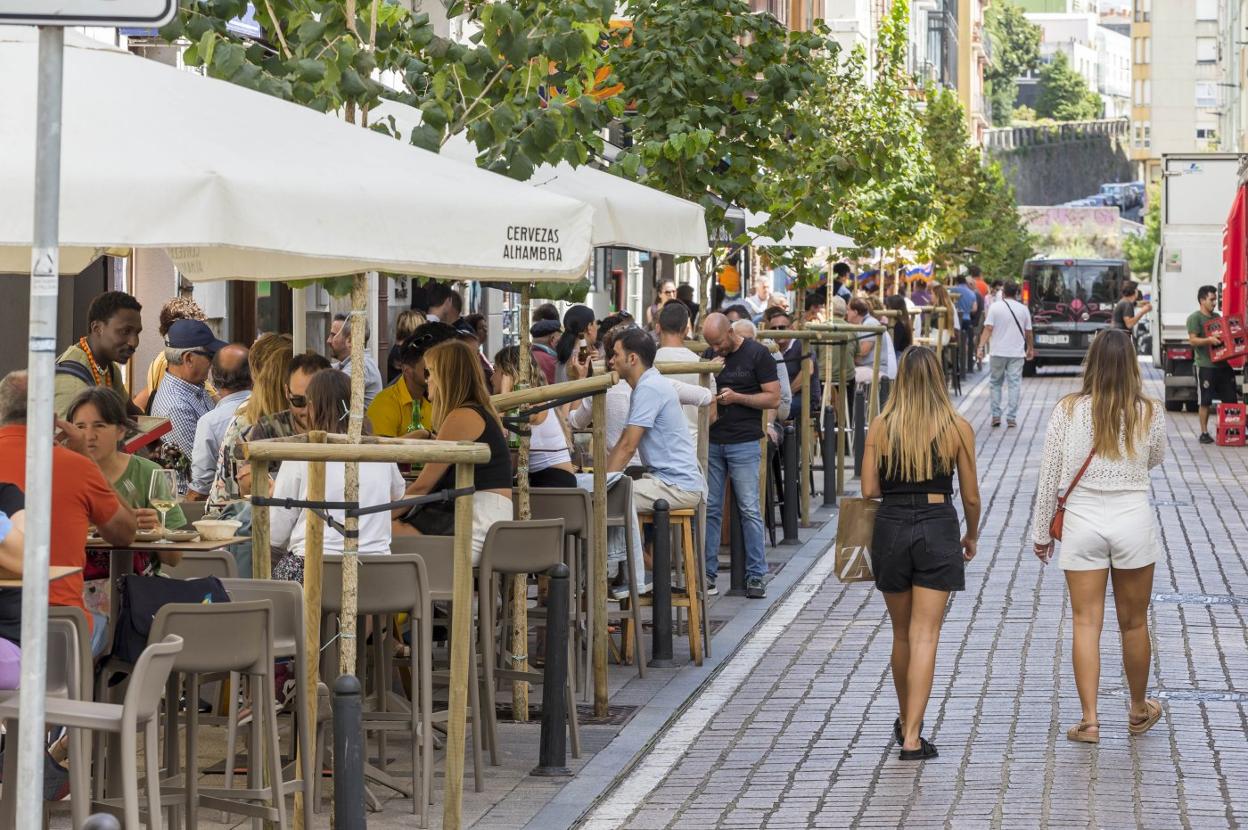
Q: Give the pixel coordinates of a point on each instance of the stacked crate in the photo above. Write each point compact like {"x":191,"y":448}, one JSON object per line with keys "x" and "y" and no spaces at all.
{"x":1232,"y":421}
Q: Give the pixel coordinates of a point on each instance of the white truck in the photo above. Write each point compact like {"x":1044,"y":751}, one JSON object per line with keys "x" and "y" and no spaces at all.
{"x":1196,"y":194}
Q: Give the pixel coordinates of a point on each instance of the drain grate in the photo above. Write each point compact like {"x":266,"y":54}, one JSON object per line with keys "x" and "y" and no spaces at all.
{"x":1192,"y":694}
{"x":616,"y":715}
{"x":1201,"y":599}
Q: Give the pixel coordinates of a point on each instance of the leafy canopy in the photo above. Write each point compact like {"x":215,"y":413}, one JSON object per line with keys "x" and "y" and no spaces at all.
{"x":1141,"y":250}
{"x":1064,"y":93}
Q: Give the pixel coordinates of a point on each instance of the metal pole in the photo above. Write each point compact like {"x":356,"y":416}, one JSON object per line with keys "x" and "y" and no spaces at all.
{"x":44,"y":273}
{"x":661,"y":630}
{"x":348,"y":754}
{"x":828,"y":451}
{"x":736,"y":549}
{"x":101,"y":821}
{"x":860,"y":428}
{"x":552,"y":755}
{"x":792,"y":485}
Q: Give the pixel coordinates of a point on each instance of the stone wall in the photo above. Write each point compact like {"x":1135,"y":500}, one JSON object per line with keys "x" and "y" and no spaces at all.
{"x":1049,"y":165}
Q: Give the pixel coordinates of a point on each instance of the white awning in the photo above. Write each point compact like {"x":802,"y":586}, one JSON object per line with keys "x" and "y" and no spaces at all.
{"x":801,"y":236}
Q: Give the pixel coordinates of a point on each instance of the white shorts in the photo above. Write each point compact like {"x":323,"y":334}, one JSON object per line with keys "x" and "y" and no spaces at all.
{"x":1108,"y":529}
{"x":487,"y":508}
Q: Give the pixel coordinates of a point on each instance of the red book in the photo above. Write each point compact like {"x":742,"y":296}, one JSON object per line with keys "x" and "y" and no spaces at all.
{"x":150,"y":428}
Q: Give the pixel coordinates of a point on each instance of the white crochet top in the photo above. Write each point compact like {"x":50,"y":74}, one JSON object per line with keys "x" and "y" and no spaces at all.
{"x":1066,"y":447}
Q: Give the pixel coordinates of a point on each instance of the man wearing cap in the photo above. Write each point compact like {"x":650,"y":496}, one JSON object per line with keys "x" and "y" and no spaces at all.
{"x":189,"y":349}
{"x":544,"y":333}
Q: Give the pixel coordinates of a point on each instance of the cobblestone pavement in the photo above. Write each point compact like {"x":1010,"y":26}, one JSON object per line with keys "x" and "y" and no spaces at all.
{"x":795,"y":731}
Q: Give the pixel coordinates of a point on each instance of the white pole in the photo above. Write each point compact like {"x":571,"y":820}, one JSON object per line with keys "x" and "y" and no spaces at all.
{"x":44,"y":272}
{"x":299,"y":319}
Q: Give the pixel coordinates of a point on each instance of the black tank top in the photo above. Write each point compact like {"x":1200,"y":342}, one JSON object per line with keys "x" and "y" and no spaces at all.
{"x":941,"y":482}
{"x":494,"y":474}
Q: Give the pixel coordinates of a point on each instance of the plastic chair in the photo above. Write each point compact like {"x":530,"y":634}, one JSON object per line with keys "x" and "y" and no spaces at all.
{"x":619,"y":505}
{"x":391,"y":585}
{"x":517,"y":548}
{"x":197,"y":564}
{"x":193,"y":510}
{"x":139,"y":709}
{"x":288,"y":642}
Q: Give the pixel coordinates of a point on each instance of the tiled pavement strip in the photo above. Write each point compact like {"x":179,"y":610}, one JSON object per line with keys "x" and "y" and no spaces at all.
{"x":794,"y":731}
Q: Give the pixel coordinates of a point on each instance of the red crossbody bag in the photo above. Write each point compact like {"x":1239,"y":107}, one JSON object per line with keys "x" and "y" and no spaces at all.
{"x":1055,"y":526}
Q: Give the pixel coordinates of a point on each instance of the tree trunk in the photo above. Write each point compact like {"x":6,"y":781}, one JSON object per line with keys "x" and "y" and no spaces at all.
{"x":313,"y":579}
{"x":351,"y":483}
{"x":520,"y":585}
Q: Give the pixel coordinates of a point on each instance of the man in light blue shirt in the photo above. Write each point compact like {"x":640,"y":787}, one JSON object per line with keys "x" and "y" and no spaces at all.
{"x":231,"y":375}
{"x":339,"y":343}
{"x":656,"y":427}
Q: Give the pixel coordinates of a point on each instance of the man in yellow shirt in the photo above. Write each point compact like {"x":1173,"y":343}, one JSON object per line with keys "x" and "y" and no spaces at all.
{"x":401,"y":410}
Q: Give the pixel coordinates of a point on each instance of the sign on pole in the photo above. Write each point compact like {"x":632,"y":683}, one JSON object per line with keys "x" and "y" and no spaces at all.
{"x":87,"y":12}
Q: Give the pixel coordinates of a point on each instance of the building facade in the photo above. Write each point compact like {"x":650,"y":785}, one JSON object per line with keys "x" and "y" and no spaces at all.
{"x":1101,"y":55}
{"x":974,"y":54}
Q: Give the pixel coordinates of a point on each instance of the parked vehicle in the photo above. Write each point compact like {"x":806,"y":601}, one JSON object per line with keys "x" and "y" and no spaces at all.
{"x":1070,"y":301}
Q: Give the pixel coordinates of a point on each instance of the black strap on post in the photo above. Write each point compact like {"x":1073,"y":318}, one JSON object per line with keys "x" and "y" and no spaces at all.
{"x":352,"y":509}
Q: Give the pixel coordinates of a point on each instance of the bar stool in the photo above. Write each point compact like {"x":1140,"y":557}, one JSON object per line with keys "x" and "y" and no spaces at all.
{"x":695,"y":600}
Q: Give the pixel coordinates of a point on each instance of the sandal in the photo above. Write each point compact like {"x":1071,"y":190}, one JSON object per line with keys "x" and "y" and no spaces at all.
{"x":1081,"y":733}
{"x":1154,"y":715}
{"x":926,"y":750}
{"x":897,"y":731}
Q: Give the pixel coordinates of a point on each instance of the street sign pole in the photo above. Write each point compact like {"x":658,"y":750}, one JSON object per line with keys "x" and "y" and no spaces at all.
{"x":44,"y":273}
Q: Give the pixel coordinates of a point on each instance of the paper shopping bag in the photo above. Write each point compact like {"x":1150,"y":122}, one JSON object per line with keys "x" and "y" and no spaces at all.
{"x":855,"y":526}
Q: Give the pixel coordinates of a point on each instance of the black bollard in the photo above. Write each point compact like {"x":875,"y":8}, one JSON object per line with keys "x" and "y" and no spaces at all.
{"x":553,"y":753}
{"x":828,"y":451}
{"x":661,"y":630}
{"x":348,"y":754}
{"x":101,"y":821}
{"x":792,"y":487}
{"x":860,"y":427}
{"x":736,"y":550}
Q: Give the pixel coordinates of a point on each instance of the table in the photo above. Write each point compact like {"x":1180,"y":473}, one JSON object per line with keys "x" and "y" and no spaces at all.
{"x":54,"y":572}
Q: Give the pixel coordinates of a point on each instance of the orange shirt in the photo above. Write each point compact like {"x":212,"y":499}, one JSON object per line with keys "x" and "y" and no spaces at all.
{"x":80,"y":496}
{"x":981,"y":286}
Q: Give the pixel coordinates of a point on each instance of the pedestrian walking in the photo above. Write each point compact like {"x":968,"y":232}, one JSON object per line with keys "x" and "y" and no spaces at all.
{"x":1214,"y":381}
{"x":918,"y":555}
{"x":1008,"y":336}
{"x":1101,"y":443}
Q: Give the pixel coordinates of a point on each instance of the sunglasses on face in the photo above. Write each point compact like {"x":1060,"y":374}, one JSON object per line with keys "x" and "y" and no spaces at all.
{"x":297,"y":401}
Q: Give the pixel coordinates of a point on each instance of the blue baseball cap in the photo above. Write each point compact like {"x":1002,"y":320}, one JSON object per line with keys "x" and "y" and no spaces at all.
{"x":192,"y":334}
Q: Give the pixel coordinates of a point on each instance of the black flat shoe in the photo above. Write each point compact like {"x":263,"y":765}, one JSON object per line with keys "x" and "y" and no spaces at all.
{"x":926,"y":750}
{"x":897,"y":730}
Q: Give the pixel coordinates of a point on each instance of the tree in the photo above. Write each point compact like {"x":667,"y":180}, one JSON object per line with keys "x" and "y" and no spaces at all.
{"x":1015,"y":52}
{"x":1140,"y":251}
{"x":1064,"y":93}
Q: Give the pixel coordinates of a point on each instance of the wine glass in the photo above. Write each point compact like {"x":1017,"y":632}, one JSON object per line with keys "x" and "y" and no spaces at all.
{"x":163,"y":496}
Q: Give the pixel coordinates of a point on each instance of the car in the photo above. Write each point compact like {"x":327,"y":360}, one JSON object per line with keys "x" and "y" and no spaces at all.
{"x":1070,"y":301}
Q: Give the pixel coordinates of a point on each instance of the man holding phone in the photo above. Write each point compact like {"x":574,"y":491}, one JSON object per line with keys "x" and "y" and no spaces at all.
{"x":1214,"y":381}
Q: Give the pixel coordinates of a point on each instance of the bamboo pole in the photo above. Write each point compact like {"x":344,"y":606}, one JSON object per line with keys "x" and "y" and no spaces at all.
{"x":599,"y":589}
{"x":313,"y":579}
{"x":803,"y":424}
{"x":351,"y":478}
{"x":519,"y":598}
{"x":261,"y":550}
{"x":569,"y":389}
{"x":461,"y":630}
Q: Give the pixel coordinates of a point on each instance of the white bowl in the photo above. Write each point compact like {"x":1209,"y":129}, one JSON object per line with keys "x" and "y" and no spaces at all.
{"x":213,"y":530}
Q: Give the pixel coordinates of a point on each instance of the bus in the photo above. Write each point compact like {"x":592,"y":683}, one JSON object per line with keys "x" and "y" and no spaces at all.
{"x":1070,"y":300}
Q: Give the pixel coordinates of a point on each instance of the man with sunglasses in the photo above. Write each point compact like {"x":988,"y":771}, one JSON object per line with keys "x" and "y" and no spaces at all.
{"x":189,"y":349}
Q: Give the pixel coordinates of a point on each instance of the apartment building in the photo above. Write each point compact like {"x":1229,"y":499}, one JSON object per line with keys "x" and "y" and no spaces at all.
{"x":1102,"y":56}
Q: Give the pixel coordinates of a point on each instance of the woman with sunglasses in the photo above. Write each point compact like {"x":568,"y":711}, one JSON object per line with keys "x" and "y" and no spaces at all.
{"x":666,"y":291}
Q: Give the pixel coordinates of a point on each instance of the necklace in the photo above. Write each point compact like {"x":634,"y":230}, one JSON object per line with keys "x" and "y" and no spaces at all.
{"x":97,"y":374}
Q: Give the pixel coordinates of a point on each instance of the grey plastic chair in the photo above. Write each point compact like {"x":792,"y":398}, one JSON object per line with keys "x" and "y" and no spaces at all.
{"x":193,"y":510}
{"x":517,"y":548}
{"x":619,"y":504}
{"x":576,"y":507}
{"x":197,"y":564}
{"x":139,"y":709}
{"x":288,"y":642}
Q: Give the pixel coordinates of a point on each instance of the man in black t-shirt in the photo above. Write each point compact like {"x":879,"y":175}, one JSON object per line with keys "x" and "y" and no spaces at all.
{"x":747,"y":386}
{"x":1126,"y":314}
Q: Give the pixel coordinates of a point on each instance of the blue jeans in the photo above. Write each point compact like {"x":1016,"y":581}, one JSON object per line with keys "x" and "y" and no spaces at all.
{"x":1010,"y":371}
{"x":740,"y":462}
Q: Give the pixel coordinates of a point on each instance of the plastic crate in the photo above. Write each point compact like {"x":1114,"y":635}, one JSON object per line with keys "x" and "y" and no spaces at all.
{"x":1234,"y":335}
{"x":1231,"y":436}
{"x":1232,"y":415}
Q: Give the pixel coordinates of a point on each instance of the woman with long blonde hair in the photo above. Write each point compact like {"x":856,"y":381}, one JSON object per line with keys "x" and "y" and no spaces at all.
{"x":461,"y":412}
{"x":918,"y":553}
{"x":1101,"y":443}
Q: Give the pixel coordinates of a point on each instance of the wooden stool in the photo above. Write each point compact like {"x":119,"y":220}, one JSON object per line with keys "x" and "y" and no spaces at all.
{"x":694,"y":595}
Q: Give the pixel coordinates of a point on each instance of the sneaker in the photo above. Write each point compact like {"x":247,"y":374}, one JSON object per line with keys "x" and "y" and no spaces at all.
{"x":712,"y":590}
{"x":996,"y":422}
{"x":754,"y":587}
{"x":1206,"y":438}
{"x":619,"y":592}
{"x":1010,"y":424}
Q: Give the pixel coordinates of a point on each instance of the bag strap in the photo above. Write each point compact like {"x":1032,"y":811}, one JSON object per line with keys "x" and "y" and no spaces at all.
{"x":75,"y":370}
{"x":1061,"y":501}
{"x":1022,"y":333}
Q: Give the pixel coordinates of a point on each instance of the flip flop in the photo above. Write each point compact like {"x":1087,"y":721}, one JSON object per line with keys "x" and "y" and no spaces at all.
{"x":1154,"y":715}
{"x":1080,"y":733}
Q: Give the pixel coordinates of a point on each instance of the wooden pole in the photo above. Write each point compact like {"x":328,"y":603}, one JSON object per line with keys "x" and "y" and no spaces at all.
{"x":519,"y":646}
{"x":803,"y":423}
{"x":313,"y":579}
{"x":874,"y":408}
{"x":261,"y":550}
{"x":847,"y":368}
{"x":351,"y":478}
{"x":599,"y":588}
{"x":461,"y":630}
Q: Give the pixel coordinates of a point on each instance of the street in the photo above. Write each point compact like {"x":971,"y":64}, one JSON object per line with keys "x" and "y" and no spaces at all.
{"x":795,"y":730}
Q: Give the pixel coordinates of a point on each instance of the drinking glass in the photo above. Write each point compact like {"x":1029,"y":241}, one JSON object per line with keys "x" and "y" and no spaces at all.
{"x":163,"y":496}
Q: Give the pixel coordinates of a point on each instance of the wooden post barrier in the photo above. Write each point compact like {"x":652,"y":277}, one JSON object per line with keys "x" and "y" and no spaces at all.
{"x":464,"y":455}
{"x":519,"y":595}
{"x":878,"y":331}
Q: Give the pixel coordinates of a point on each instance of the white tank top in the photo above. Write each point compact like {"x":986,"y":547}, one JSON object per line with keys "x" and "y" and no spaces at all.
{"x":548,"y":445}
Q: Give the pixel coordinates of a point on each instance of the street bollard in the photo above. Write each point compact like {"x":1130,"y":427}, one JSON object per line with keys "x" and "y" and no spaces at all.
{"x":860,"y":427}
{"x":101,"y":821}
{"x":553,"y":753}
{"x":792,"y":488}
{"x":348,"y":754}
{"x":661,"y":630}
{"x":828,"y":451}
{"x":736,"y":548}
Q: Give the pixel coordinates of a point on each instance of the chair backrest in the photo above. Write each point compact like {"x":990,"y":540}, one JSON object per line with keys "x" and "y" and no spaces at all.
{"x":521,"y":547}
{"x":197,"y":564}
{"x":287,"y":599}
{"x":438,"y":553}
{"x":387,"y":584}
{"x":227,"y":636}
{"x":69,"y":653}
{"x":147,"y":680}
{"x":572,"y":504}
{"x":193,"y":510}
{"x":619,"y":497}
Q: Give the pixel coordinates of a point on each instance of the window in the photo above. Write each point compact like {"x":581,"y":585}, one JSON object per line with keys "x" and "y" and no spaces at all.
{"x":1143,"y":49}
{"x":1206,"y":134}
{"x":1206,"y":9}
{"x":1206,"y":50}
{"x":1206,"y":94}
{"x":1142,"y":9}
{"x":1148,"y":134}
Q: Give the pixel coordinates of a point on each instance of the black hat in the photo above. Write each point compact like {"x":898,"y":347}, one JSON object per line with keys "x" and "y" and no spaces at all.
{"x":192,"y":334}
{"x":543,"y":328}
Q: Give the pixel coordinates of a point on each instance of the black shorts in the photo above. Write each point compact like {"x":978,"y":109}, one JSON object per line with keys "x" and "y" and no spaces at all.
{"x":917,"y":545}
{"x":1216,"y":383}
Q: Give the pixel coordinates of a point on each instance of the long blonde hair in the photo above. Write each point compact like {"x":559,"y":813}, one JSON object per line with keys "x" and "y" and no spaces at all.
{"x":1121,"y":414}
{"x":270,"y":358}
{"x":457,"y":380}
{"x":940,"y":297}
{"x":921,"y":435}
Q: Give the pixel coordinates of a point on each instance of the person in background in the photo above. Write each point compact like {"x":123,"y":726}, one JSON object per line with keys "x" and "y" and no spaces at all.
{"x":749,"y":331}
{"x":545,"y":311}
{"x":757,"y":301}
{"x":404,"y":327}
{"x":580,"y":332}
{"x":816,"y":305}
{"x":665,"y":291}
{"x":1214,"y":381}
{"x":544,"y":333}
{"x":842,"y":281}
{"x":747,"y":385}
{"x":1008,"y":336}
{"x":550,"y":460}
{"x":674,"y":321}
{"x":920,"y":295}
{"x":80,"y":496}
{"x":114,"y":322}
{"x":461,"y":412}
{"x":12,"y":542}
{"x":719,"y":297}
{"x":902,"y":333}
{"x":1126,"y":313}
{"x":231,"y":372}
{"x":790,"y":369}
{"x":340,"y":349}
{"x":179,"y":308}
{"x":737,"y":311}
{"x":914,"y":448}
{"x":190,"y":348}
{"x":1114,"y":434}
{"x":684,"y":293}
{"x":402,"y":410}
{"x":328,"y":403}
{"x":858,"y":313}
{"x":445,"y":304}
{"x":969,"y":305}
{"x":729,"y":276}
